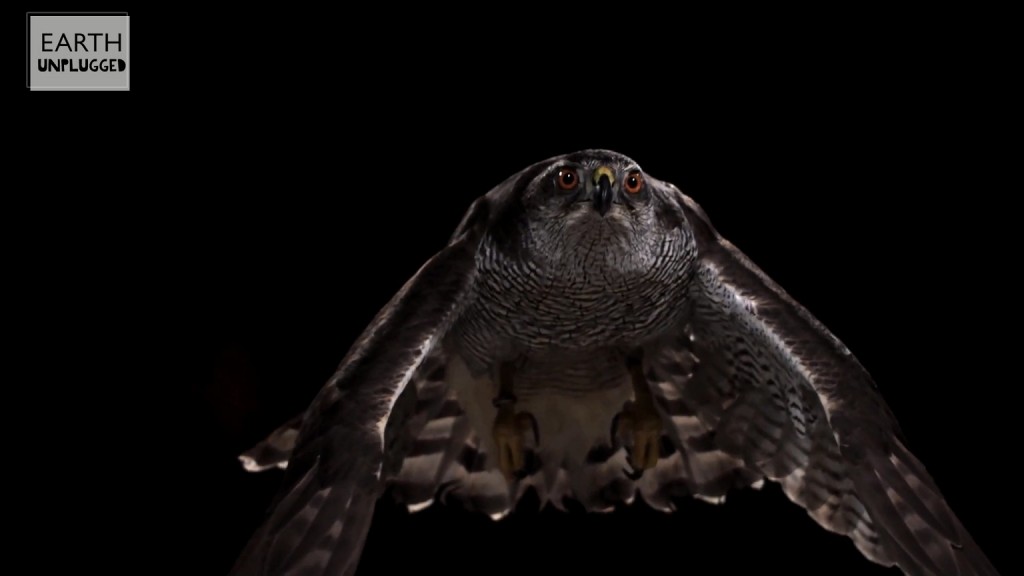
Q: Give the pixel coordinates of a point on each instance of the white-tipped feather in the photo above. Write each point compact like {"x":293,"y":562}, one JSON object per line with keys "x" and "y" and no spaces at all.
{"x":416,"y":507}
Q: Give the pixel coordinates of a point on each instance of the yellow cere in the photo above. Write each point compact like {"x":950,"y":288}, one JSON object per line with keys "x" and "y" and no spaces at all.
{"x":604,"y":171}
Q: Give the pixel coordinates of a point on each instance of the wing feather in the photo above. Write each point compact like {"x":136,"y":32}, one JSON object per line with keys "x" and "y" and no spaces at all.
{"x":348,"y":435}
{"x":788,"y":398}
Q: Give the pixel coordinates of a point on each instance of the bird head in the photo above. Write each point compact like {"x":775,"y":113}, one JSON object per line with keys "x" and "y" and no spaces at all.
{"x":597,"y":201}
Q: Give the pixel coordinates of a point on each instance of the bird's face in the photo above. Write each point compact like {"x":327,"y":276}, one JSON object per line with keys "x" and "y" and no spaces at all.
{"x":590,"y":188}
{"x":599,"y":202}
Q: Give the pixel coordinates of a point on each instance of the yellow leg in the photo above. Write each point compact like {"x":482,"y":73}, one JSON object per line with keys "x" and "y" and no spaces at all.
{"x":510,"y":427}
{"x":640,"y":420}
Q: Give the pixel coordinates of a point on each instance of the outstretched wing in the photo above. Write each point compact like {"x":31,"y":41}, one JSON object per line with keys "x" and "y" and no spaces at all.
{"x":753,"y":374}
{"x":338,"y":466}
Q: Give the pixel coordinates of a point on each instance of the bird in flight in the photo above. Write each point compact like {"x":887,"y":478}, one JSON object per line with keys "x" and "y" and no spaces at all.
{"x":587,"y":334}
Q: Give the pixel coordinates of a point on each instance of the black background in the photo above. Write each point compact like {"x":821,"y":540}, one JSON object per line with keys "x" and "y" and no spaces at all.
{"x":281,"y":175}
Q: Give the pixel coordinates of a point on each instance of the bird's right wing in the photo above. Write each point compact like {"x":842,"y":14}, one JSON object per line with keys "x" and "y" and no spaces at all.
{"x":753,"y":374}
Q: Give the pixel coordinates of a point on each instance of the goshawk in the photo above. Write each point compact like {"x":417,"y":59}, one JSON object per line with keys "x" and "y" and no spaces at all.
{"x":588,"y":335}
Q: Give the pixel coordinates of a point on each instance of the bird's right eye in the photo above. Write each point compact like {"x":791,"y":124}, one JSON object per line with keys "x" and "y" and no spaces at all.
{"x":568,"y":179}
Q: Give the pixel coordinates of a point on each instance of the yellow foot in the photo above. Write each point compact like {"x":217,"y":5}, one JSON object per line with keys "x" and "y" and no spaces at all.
{"x":509,"y":429}
{"x":641,"y":424}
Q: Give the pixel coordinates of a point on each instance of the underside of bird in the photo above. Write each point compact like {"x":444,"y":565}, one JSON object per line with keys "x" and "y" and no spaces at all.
{"x":484,"y":441}
{"x":498,"y":436}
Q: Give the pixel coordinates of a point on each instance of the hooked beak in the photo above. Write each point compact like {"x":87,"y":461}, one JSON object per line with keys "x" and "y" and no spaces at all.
{"x":602,"y":194}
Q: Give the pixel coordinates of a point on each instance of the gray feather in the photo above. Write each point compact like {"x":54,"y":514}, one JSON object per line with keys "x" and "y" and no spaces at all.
{"x":789,"y":399}
{"x":334,"y":473}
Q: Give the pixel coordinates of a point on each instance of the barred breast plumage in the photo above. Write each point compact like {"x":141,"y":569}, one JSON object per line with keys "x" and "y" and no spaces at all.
{"x":569,"y":296}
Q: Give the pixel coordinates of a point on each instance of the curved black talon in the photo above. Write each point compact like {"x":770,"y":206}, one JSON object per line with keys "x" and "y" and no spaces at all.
{"x":634,"y":474}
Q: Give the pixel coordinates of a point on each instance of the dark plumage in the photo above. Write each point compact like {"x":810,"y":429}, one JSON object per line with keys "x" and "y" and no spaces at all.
{"x":587,"y":333}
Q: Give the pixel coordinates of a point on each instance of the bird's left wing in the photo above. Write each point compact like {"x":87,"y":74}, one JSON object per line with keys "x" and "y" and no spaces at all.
{"x":336,"y":471}
{"x":753,"y":374}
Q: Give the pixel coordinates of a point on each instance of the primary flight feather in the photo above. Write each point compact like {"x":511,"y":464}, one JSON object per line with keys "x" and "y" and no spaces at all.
{"x":587,"y":334}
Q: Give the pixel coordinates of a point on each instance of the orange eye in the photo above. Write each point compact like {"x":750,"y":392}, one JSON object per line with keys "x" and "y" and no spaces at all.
{"x":568,"y":179}
{"x":633,"y":182}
